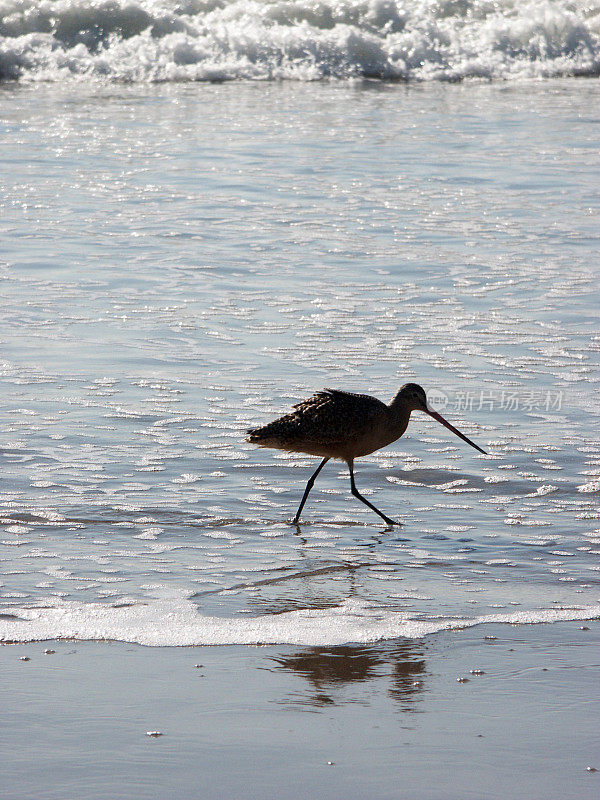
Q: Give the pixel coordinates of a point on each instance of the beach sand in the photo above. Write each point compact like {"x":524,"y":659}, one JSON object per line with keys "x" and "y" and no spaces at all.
{"x":405,"y":719}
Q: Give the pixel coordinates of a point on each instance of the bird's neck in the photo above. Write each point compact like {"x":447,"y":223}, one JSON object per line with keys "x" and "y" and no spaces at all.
{"x":399,"y":414}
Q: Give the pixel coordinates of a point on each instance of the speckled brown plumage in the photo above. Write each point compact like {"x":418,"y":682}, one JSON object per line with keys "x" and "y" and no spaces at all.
{"x":330,"y":423}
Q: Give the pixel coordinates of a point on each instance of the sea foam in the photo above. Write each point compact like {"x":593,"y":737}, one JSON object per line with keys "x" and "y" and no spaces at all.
{"x":177,"y":622}
{"x":216,"y":40}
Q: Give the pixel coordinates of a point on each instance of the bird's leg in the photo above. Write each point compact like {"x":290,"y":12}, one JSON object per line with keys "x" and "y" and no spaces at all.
{"x":309,"y":486}
{"x":356,"y":493}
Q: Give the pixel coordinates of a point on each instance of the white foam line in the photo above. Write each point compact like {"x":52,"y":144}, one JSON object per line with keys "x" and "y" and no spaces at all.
{"x":161,"y":622}
{"x":143,"y":40}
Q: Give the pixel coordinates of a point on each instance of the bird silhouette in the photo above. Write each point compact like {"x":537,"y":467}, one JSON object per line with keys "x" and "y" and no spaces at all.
{"x":345,"y":426}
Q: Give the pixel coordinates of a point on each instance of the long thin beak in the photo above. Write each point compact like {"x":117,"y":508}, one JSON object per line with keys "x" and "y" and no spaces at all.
{"x":446,"y":424}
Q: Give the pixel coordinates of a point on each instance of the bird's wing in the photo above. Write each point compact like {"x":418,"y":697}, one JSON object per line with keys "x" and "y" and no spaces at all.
{"x":314,"y":400}
{"x":365,"y":404}
{"x":343,"y":406}
{"x":330,"y":418}
{"x":350,"y":396}
{"x":340,"y":398}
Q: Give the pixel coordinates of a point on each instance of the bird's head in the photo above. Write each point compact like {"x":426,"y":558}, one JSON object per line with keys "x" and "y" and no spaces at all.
{"x":413,"y":397}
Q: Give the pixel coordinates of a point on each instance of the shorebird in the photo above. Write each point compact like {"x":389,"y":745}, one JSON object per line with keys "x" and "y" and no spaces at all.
{"x":345,"y":426}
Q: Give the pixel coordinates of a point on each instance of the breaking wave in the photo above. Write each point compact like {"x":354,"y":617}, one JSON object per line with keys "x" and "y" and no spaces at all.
{"x":176,"y":622}
{"x":218,"y":40}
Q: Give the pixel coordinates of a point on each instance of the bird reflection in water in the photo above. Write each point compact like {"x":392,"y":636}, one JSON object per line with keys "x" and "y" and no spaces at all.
{"x":329,"y":670}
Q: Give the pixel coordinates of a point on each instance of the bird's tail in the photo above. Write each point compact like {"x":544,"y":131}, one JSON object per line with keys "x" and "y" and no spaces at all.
{"x":258,"y":435}
{"x":271,"y":435}
{"x":253,"y":435}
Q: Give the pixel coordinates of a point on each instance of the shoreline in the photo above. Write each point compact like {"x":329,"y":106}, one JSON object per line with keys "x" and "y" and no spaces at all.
{"x":494,"y":711}
{"x":176,"y":621}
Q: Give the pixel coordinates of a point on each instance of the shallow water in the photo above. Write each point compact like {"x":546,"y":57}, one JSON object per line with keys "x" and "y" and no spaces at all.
{"x":181,"y":262}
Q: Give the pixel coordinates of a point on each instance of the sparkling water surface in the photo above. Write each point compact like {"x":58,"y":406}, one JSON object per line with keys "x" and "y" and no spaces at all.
{"x":181,"y":262}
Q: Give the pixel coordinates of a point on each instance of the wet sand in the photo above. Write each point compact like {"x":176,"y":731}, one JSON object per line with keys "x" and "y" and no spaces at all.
{"x":497,"y":711}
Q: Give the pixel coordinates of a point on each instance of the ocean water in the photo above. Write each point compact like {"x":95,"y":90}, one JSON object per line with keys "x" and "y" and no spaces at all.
{"x":182,"y":260}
